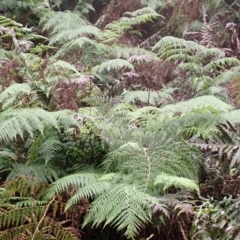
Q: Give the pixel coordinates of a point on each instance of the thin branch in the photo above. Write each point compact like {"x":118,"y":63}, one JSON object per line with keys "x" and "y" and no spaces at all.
{"x":39,"y":223}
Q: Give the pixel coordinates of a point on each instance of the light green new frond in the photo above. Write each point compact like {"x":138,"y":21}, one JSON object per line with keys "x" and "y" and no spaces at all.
{"x":178,"y":182}
{"x":9,"y":95}
{"x":123,"y":207}
{"x":72,"y":181}
{"x":111,"y":65}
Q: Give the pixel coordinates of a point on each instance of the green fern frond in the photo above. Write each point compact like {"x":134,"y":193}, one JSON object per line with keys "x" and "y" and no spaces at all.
{"x":74,"y":180}
{"x":43,"y":148}
{"x":116,"y":29}
{"x":83,"y":43}
{"x":30,"y":203}
{"x":57,"y":22}
{"x":61,"y":65}
{"x":191,"y":67}
{"x":204,"y":102}
{"x":178,"y":182}
{"x":16,"y":121}
{"x":232,"y":116}
{"x":9,"y":95}
{"x":180,"y":57}
{"x":154,"y":4}
{"x":6,"y":153}
{"x":15,"y":217}
{"x":132,"y":53}
{"x":69,"y":35}
{"x":145,"y":159}
{"x":35,"y":171}
{"x":49,"y":147}
{"x":31,"y":222}
{"x":222,"y":63}
{"x":8,"y":22}
{"x":89,"y":191}
{"x":128,"y":209}
{"x":66,"y":119}
{"x":168,"y":46}
{"x":111,"y":65}
{"x":170,"y":43}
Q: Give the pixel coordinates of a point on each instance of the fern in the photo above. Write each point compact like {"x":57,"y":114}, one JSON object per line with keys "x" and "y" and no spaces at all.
{"x":7,"y":153}
{"x":112,"y":65}
{"x":35,"y":225}
{"x":222,"y":63}
{"x":155,"y":4}
{"x":130,"y":171}
{"x":74,"y":180}
{"x":131,"y":213}
{"x":177,"y":182}
{"x":18,"y":121}
{"x":9,"y":95}
{"x":63,"y":66}
{"x":210,"y":103}
{"x":35,"y":171}
{"x":116,"y":29}
{"x":225,"y":142}
{"x":43,"y":147}
{"x":58,"y":22}
{"x":69,"y":35}
{"x":83,"y":43}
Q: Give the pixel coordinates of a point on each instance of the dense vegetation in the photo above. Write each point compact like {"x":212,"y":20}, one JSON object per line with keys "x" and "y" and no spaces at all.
{"x":119,"y":119}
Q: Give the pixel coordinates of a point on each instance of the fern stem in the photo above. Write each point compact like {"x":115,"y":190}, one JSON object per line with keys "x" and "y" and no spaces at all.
{"x":39,"y":223}
{"x":148,"y":96}
{"x":149,"y":168}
